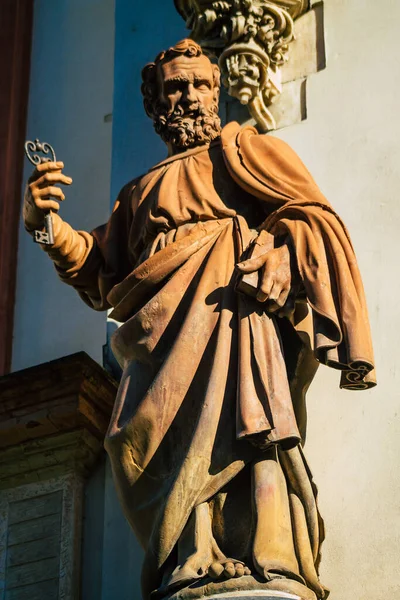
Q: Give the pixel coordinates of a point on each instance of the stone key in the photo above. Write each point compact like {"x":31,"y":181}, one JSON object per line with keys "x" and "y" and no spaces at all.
{"x":41,"y":237}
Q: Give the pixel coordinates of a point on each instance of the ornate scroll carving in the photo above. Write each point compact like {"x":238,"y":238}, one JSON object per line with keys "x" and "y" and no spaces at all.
{"x":250,"y":39}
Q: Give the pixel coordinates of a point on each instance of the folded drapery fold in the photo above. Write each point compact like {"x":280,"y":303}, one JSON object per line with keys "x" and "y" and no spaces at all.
{"x":338,"y":329}
{"x":207,"y":370}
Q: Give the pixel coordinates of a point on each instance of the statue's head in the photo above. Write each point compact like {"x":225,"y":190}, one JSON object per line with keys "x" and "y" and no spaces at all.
{"x":181,"y":91}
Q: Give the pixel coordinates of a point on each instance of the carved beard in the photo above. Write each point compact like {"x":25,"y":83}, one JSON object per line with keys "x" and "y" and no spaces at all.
{"x":183,"y":130}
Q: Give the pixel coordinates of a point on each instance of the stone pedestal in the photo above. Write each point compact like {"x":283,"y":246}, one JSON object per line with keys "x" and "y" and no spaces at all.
{"x":255,"y":595}
{"x":53,"y":419}
{"x":248,"y":587}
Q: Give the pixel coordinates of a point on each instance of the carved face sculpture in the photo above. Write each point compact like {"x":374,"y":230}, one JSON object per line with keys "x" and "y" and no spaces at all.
{"x":189,"y":102}
{"x":181,"y":91}
{"x":186,"y":82}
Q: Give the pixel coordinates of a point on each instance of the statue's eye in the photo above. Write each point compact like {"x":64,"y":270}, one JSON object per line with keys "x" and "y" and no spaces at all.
{"x":202,"y":86}
{"x":172,"y":87}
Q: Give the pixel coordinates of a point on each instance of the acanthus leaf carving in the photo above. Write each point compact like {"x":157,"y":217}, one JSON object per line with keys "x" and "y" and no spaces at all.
{"x":250,"y":39}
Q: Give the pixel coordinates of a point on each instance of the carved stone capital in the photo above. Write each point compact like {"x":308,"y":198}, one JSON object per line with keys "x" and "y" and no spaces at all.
{"x":250,"y":39}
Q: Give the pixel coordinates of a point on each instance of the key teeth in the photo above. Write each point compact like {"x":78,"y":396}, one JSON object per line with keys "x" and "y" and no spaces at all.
{"x":40,"y":237}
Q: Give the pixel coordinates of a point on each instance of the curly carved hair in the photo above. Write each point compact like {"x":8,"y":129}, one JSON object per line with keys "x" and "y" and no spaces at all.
{"x":149,"y":87}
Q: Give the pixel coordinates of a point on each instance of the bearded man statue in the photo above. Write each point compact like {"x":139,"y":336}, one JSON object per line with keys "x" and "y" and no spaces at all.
{"x":206,"y":435}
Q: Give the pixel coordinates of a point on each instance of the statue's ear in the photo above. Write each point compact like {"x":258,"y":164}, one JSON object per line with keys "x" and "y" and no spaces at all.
{"x":149,"y":88}
{"x":216,"y":81}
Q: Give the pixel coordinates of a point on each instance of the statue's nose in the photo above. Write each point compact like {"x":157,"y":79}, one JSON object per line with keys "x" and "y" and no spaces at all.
{"x":189,"y":95}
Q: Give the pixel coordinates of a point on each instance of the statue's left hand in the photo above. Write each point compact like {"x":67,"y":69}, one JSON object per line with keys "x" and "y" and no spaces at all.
{"x":276,"y":278}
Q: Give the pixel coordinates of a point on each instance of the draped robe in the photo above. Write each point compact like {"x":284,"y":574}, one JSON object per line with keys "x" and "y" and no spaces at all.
{"x":208,"y":370}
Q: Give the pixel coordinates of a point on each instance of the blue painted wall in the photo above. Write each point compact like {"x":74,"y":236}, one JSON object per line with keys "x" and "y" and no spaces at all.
{"x":142,"y":29}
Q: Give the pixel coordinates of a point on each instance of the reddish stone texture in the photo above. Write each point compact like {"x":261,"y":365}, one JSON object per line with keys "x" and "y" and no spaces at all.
{"x":15,"y":47}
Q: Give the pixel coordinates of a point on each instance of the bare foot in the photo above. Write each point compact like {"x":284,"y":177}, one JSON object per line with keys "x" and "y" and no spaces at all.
{"x":228,"y":568}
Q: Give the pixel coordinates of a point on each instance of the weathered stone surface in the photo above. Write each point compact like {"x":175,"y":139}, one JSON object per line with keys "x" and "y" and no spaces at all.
{"x":53,"y":418}
{"x":48,"y":457}
{"x":307,"y":56}
{"x":32,"y":572}
{"x":32,"y":550}
{"x":33,"y":508}
{"x":68,"y":393}
{"x":46,"y":547}
{"x":247,"y":587}
{"x":36,"y":591}
{"x":254,"y":596}
{"x":291,"y":106}
{"x":40,"y":526}
{"x":307,"y":51}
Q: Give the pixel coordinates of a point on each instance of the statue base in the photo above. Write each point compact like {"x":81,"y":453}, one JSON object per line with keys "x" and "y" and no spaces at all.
{"x":254,"y":595}
{"x":246,"y":588}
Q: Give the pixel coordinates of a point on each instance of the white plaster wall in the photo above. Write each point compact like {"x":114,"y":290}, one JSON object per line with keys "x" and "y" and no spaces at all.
{"x":71,"y":92}
{"x":350,"y":143}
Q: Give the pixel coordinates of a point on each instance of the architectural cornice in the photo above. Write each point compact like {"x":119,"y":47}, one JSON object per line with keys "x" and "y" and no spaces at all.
{"x":185,"y":7}
{"x":53,"y":418}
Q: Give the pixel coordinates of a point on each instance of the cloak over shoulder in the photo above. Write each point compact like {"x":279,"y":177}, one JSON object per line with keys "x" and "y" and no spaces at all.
{"x":337,"y":327}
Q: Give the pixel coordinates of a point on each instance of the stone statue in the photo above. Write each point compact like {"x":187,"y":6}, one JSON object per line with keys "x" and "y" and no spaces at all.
{"x":206,"y":436}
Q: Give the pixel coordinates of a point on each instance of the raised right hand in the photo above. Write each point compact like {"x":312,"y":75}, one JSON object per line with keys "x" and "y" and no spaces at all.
{"x":42,"y":193}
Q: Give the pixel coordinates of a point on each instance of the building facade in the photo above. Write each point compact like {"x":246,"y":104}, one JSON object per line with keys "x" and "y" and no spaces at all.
{"x":81,"y":87}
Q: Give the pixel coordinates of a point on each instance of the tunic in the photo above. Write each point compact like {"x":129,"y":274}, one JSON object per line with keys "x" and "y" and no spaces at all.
{"x":206,"y":370}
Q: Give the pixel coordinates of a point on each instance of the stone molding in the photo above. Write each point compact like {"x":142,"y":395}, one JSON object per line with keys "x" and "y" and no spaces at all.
{"x":255,"y":595}
{"x":53,"y":418}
